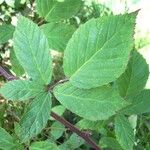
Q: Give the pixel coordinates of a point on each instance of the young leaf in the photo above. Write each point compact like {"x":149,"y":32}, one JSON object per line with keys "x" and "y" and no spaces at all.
{"x":16,"y":67}
{"x":139,"y":104}
{"x":94,"y":104}
{"x":36,"y":116}
{"x":7,"y":142}
{"x":58,"y":35}
{"x":57,"y":129}
{"x":133,"y":80}
{"x":32,"y":50}
{"x":6,"y":33}
{"x":124,"y":132}
{"x":43,"y":145}
{"x":20,"y":90}
{"x":98,"y":51}
{"x":53,"y":10}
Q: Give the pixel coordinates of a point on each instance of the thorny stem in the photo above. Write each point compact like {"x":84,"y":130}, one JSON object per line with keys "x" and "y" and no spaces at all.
{"x":67,"y":124}
{"x":82,"y":134}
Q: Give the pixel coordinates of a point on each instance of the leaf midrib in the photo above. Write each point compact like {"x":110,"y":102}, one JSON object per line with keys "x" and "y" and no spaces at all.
{"x":93,"y":56}
{"x":91,"y":100}
{"x":51,"y":10}
{"x":28,"y":133}
{"x":34,"y":58}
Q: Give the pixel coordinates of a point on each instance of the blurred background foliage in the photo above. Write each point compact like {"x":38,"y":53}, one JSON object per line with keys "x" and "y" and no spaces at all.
{"x":103,"y":130}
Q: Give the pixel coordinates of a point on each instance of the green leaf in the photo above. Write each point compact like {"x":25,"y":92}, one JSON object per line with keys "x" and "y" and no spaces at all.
{"x":72,"y":143}
{"x":98,"y":51}
{"x":109,"y":142}
{"x":59,"y":109}
{"x":58,"y":35}
{"x":6,"y":33}
{"x":16,"y":67}
{"x":134,"y":79}
{"x":43,"y":145}
{"x":57,"y":129}
{"x":20,"y":90}
{"x":17,"y":129}
{"x":32,"y":50}
{"x":88,"y":124}
{"x":18,"y":4}
{"x":54,"y":11}
{"x":7,"y":142}
{"x":124,"y":132}
{"x":94,"y":104}
{"x":36,"y":116}
{"x":139,"y":104}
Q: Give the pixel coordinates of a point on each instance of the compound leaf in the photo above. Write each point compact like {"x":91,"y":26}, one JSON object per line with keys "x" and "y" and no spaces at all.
{"x":53,"y":10}
{"x":36,"y":116}
{"x":124,"y":132}
{"x":32,"y":50}
{"x":20,"y":90}
{"x":94,"y":104}
{"x":6,"y":33}
{"x":133,"y":80}
{"x":58,"y":35}
{"x":98,"y":51}
{"x":43,"y":145}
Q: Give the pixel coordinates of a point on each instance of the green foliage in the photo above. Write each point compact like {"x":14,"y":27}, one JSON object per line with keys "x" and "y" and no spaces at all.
{"x":59,"y":109}
{"x":139,"y":104}
{"x":21,"y":90}
{"x":58,"y":35}
{"x":94,"y":104}
{"x":133,"y":80}
{"x":124,"y":132}
{"x":6,"y":33}
{"x":53,"y":10}
{"x":43,"y":145}
{"x":36,"y":116}
{"x":57,"y":129}
{"x":72,"y":143}
{"x":7,"y":142}
{"x":109,"y":142}
{"x":88,"y":124}
{"x":102,"y":54}
{"x":34,"y":58}
{"x":104,"y":90}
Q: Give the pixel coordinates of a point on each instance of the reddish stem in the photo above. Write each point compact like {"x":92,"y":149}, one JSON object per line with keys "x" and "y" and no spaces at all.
{"x":84,"y":135}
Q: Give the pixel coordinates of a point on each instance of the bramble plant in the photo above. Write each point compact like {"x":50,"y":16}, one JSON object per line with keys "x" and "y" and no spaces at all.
{"x":102,"y":86}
